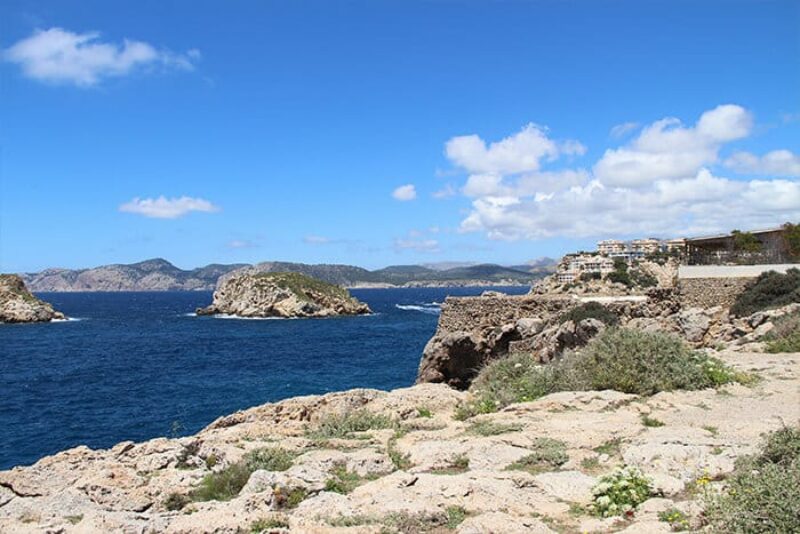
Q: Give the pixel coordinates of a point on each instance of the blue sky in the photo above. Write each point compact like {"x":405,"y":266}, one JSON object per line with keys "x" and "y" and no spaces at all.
{"x":381,"y":132}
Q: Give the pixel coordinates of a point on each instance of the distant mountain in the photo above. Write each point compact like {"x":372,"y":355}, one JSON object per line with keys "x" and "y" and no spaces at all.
{"x":150,"y":275}
{"x":160,"y":275}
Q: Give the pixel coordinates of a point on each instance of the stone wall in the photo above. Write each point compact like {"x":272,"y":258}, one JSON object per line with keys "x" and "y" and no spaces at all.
{"x":710,"y":292}
{"x":468,"y":314}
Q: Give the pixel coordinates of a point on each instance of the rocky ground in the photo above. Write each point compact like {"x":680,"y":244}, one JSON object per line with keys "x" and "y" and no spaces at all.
{"x":286,"y":295}
{"x":422,"y":472}
{"x":18,"y":305}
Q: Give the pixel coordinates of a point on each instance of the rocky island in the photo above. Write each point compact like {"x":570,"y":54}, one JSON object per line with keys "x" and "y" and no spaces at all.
{"x":281,"y":294}
{"x":18,"y":305}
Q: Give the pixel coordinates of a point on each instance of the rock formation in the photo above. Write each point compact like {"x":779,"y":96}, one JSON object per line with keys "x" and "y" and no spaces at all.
{"x":413,"y":467}
{"x":18,"y":305}
{"x":286,"y":295}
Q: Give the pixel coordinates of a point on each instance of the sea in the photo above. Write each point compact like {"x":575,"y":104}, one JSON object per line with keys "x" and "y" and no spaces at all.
{"x":134,"y":366}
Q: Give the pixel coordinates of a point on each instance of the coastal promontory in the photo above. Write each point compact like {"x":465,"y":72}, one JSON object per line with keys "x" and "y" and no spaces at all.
{"x":281,"y":294}
{"x":18,"y":305}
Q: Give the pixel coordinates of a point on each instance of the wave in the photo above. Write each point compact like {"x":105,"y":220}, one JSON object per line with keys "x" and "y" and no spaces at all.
{"x":227,"y":316}
{"x":424,"y":308}
{"x":67,"y":320}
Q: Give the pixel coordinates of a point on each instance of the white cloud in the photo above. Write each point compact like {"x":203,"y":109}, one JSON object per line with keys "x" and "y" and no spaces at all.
{"x":667,"y":150}
{"x":446,"y":192}
{"x":521,"y":152}
{"x":167,"y":208}
{"x":61,"y":56}
{"x":620,"y":130}
{"x":316,"y":240}
{"x":418,"y":245}
{"x":775,"y":163}
{"x":405,"y":193}
{"x":241,"y":243}
{"x":658,"y":184}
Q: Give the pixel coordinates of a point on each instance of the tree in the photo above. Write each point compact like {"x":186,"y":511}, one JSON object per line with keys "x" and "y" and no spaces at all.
{"x":745,"y":242}
{"x":791,"y":235}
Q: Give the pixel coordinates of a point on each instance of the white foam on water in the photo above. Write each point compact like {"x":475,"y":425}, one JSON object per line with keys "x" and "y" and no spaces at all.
{"x":433,"y":310}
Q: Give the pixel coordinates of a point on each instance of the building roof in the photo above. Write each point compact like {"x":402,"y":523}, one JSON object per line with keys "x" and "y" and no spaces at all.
{"x":730,"y":234}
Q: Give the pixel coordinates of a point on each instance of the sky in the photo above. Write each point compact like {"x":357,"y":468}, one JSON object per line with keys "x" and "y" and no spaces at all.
{"x":389,"y":132}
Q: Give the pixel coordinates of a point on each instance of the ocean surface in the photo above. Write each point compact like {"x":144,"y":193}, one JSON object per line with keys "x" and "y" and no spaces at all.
{"x":133,"y":366}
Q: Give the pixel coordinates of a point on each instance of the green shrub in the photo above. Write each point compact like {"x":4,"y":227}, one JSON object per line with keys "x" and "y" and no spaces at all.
{"x":785,"y":337}
{"x":223,"y":485}
{"x":791,"y":235}
{"x":488,"y":428}
{"x":769,"y":290}
{"x":590,"y":310}
{"x":269,"y":459}
{"x":345,"y":425}
{"x":620,"y":492}
{"x":651,"y":421}
{"x":677,"y":520}
{"x":342,"y":481}
{"x":548,"y":454}
{"x":643,"y":279}
{"x":265,"y":525}
{"x":643,"y":363}
{"x":762,"y":495}
{"x":425,"y":412}
{"x":745,"y":242}
{"x":455,"y":516}
{"x":589,"y":276}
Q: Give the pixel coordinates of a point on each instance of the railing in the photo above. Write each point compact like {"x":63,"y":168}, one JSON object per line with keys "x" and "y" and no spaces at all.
{"x":725,"y":257}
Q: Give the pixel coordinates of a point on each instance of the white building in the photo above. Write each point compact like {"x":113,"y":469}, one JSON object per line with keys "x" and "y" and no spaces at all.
{"x":611,"y":246}
{"x":645,"y":246}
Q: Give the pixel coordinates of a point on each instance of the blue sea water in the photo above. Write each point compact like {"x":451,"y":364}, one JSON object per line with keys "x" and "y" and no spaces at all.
{"x":134,"y":366}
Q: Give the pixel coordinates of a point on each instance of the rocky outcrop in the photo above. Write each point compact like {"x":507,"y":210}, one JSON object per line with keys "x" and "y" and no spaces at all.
{"x":411,"y":476}
{"x":18,"y":305}
{"x":286,"y":295}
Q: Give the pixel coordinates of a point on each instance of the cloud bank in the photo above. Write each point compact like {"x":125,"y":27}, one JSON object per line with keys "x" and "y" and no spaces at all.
{"x":167,"y":208}
{"x":64,"y":57}
{"x":658,"y":183}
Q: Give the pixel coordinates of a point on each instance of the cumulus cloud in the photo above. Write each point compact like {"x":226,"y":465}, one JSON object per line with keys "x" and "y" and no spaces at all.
{"x":405,"y":193}
{"x":775,"y":163}
{"x":515,"y":154}
{"x":660,"y":183}
{"x":668,"y":150}
{"x":445,"y":192}
{"x":167,"y":208}
{"x":61,"y":56}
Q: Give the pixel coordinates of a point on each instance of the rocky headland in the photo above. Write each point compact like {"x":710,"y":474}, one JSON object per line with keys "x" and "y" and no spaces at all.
{"x":18,"y":305}
{"x":281,"y":294}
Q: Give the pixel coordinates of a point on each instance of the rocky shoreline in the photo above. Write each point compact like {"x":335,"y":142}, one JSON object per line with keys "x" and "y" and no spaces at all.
{"x":412,"y":464}
{"x":18,"y":305}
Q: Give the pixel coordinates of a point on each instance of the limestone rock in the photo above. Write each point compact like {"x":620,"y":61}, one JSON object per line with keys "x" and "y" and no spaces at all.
{"x":18,"y":305}
{"x":284,"y":295}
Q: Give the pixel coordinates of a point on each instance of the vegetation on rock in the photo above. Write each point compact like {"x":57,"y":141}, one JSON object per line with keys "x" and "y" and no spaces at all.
{"x":590,"y":310}
{"x":785,"y":337}
{"x":620,"y":492}
{"x":226,"y":484}
{"x":548,"y":454}
{"x":763,"y":493}
{"x":769,"y":290}
{"x":343,"y":426}
{"x":622,"y":359}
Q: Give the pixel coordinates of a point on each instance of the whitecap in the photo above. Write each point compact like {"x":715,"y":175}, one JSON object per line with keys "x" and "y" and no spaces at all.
{"x":433,"y":310}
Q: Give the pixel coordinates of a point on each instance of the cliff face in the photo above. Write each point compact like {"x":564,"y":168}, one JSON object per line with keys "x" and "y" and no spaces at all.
{"x":18,"y":305}
{"x":281,"y":295}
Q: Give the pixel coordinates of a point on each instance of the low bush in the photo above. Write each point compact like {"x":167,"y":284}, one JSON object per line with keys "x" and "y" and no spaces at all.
{"x":590,"y":310}
{"x":626,"y":360}
{"x":785,"y":337}
{"x":620,"y":492}
{"x":342,"y":480}
{"x":763,"y":493}
{"x":488,"y":428}
{"x":176,"y":501}
{"x":345,"y":425}
{"x":642,"y":363}
{"x":769,"y":290}
{"x":226,"y":484}
{"x":548,"y":454}
{"x":265,"y":525}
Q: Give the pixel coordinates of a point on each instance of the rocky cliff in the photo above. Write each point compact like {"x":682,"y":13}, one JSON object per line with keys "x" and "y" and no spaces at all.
{"x":253,"y":294}
{"x":18,"y":305}
{"x":366,"y":461}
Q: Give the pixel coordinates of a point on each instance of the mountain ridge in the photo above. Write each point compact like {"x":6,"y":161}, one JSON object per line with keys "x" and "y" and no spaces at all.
{"x":158,"y":274}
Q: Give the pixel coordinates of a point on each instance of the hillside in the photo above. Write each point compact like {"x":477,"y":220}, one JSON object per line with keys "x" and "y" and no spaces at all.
{"x":160,"y":275}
